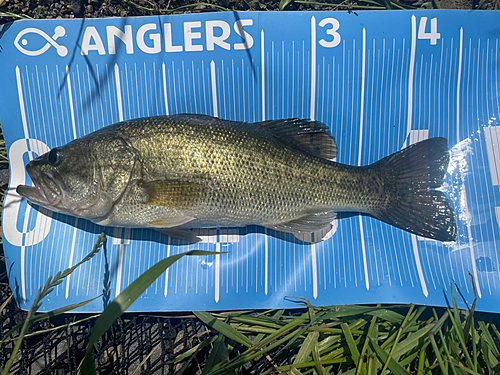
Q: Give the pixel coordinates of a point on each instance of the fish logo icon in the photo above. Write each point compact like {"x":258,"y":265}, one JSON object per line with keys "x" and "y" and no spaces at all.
{"x":59,"y":31}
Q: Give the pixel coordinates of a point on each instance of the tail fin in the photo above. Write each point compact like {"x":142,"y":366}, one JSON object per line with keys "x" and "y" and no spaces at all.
{"x":412,"y":173}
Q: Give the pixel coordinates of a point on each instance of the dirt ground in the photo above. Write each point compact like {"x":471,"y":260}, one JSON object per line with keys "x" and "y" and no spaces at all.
{"x":43,"y":9}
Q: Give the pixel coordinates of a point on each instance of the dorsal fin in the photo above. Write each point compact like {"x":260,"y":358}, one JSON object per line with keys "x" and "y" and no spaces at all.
{"x":306,"y":135}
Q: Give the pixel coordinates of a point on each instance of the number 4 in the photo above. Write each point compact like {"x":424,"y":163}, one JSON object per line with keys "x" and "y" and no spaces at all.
{"x":433,"y":36}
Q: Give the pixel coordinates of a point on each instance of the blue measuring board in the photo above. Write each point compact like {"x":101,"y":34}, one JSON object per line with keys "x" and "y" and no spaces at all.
{"x":379,"y":80}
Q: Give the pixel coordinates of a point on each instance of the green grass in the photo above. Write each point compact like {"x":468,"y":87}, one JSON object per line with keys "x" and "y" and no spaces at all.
{"x":402,"y":339}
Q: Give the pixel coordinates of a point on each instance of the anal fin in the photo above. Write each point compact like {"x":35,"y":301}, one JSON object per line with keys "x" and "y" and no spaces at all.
{"x":315,"y":237}
{"x":319,"y":224}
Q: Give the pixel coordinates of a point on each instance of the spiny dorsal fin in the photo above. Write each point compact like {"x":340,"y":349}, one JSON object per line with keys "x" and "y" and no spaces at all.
{"x":173,"y":194}
{"x":306,"y":135}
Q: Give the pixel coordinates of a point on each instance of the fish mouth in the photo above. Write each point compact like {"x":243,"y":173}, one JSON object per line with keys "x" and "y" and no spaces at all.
{"x":46,"y":191}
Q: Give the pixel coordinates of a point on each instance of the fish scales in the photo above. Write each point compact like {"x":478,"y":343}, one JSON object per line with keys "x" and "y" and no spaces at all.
{"x":269,"y":175}
{"x":191,"y":171}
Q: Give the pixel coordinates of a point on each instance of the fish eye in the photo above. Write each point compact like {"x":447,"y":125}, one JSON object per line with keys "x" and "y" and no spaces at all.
{"x":55,"y":156}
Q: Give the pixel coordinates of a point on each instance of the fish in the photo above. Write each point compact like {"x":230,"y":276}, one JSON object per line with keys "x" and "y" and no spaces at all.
{"x":175,"y":173}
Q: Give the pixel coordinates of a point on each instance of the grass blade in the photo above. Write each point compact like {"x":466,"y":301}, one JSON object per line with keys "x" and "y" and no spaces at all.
{"x":394,"y":366}
{"x":223,"y":328}
{"x":44,"y":291}
{"x":350,"y":342}
{"x":412,"y":341}
{"x":487,"y":337}
{"x":193,"y":352}
{"x":473,"y":308}
{"x":50,"y":314}
{"x":457,"y":325}
{"x":216,"y":354}
{"x":438,"y":355}
{"x":283,"y":4}
{"x":307,"y":347}
{"x":388,"y":315}
{"x":317,"y":359}
{"x":121,"y":303}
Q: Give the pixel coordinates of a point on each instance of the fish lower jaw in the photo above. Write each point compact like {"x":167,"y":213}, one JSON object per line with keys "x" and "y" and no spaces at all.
{"x":33,"y":194}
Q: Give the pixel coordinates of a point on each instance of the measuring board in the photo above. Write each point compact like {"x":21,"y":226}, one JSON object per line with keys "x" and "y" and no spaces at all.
{"x":379,"y":80}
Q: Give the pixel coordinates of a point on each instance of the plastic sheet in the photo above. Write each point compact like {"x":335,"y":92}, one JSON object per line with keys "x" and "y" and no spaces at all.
{"x":379,"y":80}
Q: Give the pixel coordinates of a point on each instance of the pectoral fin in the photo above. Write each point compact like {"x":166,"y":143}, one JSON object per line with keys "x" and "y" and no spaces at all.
{"x":173,"y":194}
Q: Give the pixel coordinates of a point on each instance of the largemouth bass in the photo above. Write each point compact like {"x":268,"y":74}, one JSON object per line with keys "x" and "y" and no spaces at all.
{"x":179,"y":172}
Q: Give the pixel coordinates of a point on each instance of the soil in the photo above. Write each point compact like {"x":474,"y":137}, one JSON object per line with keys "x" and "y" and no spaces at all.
{"x":42,"y":9}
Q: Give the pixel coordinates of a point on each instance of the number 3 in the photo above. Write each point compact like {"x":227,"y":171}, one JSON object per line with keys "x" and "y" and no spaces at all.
{"x":332,"y":31}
